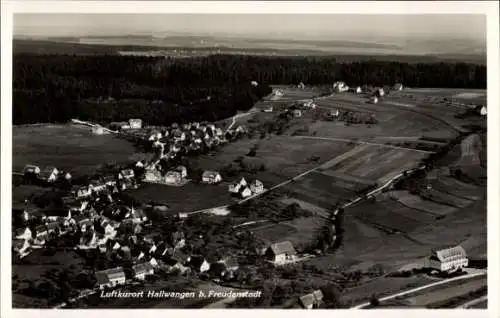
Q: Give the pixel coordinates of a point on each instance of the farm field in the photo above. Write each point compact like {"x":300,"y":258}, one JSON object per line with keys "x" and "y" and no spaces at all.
{"x":384,"y":215}
{"x":37,"y":267}
{"x":68,"y":147}
{"x":282,"y":156}
{"x":378,"y":163}
{"x":187,"y":198}
{"x":446,"y":292}
{"x":445,"y":198}
{"x":298,"y":231}
{"x":418,"y":203}
{"x":383,"y":287}
{"x":458,"y":188}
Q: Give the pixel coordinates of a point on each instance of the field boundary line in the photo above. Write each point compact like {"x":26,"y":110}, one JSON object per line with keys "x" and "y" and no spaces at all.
{"x":414,"y":290}
{"x":364,"y":143}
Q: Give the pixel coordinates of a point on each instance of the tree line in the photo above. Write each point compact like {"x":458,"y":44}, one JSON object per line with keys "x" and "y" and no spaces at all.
{"x":55,"y":88}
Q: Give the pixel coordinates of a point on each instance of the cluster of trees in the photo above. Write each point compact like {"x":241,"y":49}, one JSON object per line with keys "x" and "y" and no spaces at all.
{"x":54,"y":88}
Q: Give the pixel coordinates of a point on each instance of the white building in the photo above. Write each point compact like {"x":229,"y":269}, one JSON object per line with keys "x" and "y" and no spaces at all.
{"x":254,"y":83}
{"x":135,"y":123}
{"x":340,"y":87}
{"x":142,"y":270}
{"x":110,"y":277}
{"x":281,"y":253}
{"x":374,"y":100}
{"x":32,"y":169}
{"x":256,"y":186}
{"x":211,"y":177}
{"x":483,"y":111}
{"x":450,"y":259}
{"x":398,"y":87}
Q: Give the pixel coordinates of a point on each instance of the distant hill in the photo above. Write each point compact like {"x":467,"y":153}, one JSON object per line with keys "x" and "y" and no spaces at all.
{"x":182,"y":46}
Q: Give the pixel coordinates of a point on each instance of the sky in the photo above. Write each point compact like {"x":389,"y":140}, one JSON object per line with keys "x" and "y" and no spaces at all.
{"x":429,"y":26}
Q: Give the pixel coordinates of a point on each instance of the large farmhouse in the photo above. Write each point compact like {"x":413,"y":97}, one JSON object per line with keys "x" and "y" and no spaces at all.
{"x":281,"y":253}
{"x":448,"y":259}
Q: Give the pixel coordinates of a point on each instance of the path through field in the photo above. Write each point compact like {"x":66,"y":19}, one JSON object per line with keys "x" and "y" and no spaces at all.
{"x":414,"y":290}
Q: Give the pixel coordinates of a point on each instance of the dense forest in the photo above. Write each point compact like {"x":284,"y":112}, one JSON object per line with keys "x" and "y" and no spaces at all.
{"x":55,"y":88}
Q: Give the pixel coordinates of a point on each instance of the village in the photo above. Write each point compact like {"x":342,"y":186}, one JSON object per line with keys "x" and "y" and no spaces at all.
{"x":95,"y":220}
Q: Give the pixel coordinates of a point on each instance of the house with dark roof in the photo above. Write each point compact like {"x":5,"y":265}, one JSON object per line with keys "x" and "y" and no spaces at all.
{"x":448,"y":259}
{"x":110,"y":277}
{"x":31,"y":169}
{"x":312,"y":300}
{"x":199,"y":264}
{"x":211,"y":177}
{"x":49,"y":174}
{"x":142,"y":270}
{"x":281,"y":253}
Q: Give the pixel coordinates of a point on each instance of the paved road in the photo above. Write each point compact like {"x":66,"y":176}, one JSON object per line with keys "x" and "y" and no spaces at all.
{"x":414,"y":290}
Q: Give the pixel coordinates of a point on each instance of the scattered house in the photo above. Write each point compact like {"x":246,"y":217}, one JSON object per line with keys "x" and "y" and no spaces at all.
{"x":340,"y":87}
{"x":24,"y":233}
{"x":126,"y":174}
{"x":301,"y":86}
{"x":235,"y":187}
{"x":483,"y":111}
{"x":254,"y":83}
{"x":312,"y":300}
{"x":31,"y":169}
{"x":357,"y":90}
{"x":398,"y":87}
{"x":277,"y":92}
{"x":335,"y":113}
{"x":281,"y":253}
{"x":67,"y":176}
{"x":110,"y":277}
{"x":211,"y":177}
{"x":373,"y":100}
{"x":142,"y":270}
{"x":449,"y":259}
{"x":178,"y":240}
{"x":49,"y":174}
{"x":182,"y":170}
{"x":110,"y":181}
{"x":21,"y":247}
{"x":41,"y":232}
{"x":199,"y":263}
{"x":268,"y":109}
{"x":256,"y":186}
{"x":380,"y":92}
{"x":297,"y":113}
{"x":135,"y":123}
{"x":179,"y":135}
{"x":173,"y":177}
{"x":245,"y":192}
{"x":97,"y":186}
{"x":154,"y":262}
{"x":83,"y":192}
{"x":152,"y":175}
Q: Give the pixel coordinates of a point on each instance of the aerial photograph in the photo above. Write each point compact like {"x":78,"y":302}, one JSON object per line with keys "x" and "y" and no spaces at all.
{"x":298,"y":161}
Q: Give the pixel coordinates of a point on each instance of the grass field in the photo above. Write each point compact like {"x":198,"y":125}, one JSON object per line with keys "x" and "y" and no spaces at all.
{"x":446,"y":292}
{"x":418,"y":203}
{"x":282,"y":156}
{"x":445,"y":198}
{"x":67,"y":147}
{"x":190,"y":197}
{"x":377,"y":163}
{"x":299,"y":231}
